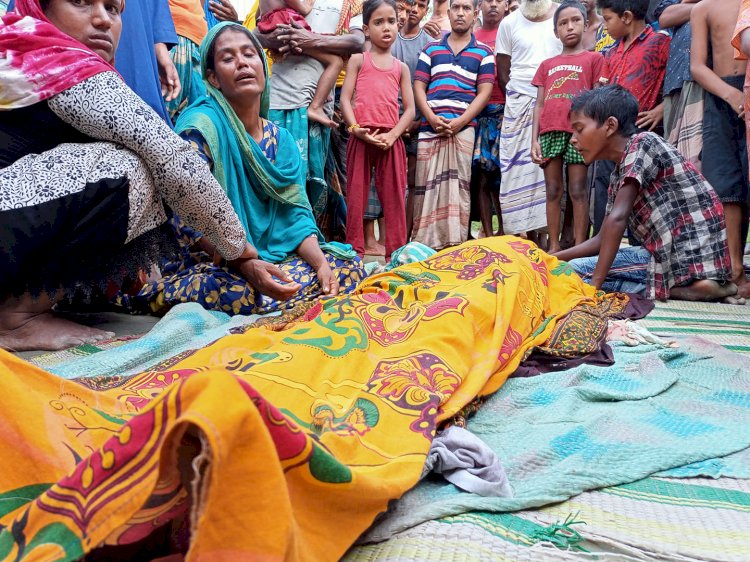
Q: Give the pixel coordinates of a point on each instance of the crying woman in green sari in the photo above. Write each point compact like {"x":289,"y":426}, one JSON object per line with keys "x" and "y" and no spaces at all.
{"x":259,"y":166}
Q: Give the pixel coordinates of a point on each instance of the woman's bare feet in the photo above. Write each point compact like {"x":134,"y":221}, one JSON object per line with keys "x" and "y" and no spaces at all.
{"x":319,"y":116}
{"x":27,"y":324}
{"x":707,"y":290}
{"x":48,"y":332}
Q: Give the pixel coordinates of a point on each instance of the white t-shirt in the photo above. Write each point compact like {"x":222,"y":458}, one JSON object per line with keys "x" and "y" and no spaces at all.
{"x":243,"y":7}
{"x":528,"y":43}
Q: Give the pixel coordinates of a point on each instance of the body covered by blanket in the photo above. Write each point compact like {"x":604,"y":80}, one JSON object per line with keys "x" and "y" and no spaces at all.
{"x":303,"y":434}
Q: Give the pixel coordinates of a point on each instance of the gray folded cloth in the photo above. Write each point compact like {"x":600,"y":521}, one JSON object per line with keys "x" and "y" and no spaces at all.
{"x":467,"y":462}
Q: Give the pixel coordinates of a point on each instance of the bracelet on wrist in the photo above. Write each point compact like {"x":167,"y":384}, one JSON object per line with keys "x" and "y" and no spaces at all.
{"x":353,"y":126}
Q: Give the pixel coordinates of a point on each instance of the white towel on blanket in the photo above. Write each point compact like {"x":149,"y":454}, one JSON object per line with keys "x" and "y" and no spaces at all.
{"x":467,"y":462}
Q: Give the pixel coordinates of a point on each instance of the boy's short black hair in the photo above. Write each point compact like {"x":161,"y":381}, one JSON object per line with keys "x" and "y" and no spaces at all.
{"x":371,"y":5}
{"x":570,"y":4}
{"x":609,"y":101}
{"x":639,"y":8}
{"x":408,"y":2}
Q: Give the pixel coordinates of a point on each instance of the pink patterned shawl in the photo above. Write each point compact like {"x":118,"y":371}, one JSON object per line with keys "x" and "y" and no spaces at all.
{"x":37,"y":60}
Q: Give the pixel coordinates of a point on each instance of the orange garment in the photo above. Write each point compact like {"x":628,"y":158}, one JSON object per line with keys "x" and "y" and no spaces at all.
{"x":189,"y":19}
{"x":743,"y":22}
{"x":298,"y":437}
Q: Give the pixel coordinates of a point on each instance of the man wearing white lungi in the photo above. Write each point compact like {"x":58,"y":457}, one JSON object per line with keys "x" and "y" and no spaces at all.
{"x":526,"y":38}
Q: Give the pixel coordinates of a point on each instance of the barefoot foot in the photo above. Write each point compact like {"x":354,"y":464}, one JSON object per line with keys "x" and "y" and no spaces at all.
{"x":319,"y":116}
{"x":705,"y":290}
{"x":45,"y":331}
{"x":743,"y":285}
{"x":374,"y":250}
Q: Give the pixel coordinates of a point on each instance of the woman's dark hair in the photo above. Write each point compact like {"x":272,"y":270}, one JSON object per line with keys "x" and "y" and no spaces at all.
{"x":570,"y":4}
{"x":44,"y":4}
{"x":371,"y":5}
{"x":639,"y":8}
{"x":237,"y":28}
{"x":609,"y":101}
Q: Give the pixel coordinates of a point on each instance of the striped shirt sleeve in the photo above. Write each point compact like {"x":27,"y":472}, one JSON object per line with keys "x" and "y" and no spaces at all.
{"x":486,"y":72}
{"x":423,"y":73}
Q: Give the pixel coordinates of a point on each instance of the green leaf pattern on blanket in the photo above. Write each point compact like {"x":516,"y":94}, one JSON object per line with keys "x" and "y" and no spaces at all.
{"x":12,"y":500}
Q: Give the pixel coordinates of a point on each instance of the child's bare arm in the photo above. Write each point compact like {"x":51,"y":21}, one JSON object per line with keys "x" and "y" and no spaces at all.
{"x":407,"y":100}
{"x":347,"y":110}
{"x":613,"y":228}
{"x":536,"y":149}
{"x":304,"y":7}
{"x":677,"y":14}
{"x":702,"y":73}
{"x":347,"y":90}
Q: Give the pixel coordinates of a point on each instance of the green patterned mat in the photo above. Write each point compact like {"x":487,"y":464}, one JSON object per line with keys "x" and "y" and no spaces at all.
{"x":722,"y":324}
{"x":690,"y":519}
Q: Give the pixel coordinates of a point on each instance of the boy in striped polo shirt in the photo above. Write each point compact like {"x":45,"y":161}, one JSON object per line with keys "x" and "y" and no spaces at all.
{"x":452,"y":84}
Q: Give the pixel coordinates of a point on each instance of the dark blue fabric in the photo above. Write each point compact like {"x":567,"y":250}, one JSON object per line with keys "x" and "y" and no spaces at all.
{"x":144,"y":23}
{"x":678,"y":64}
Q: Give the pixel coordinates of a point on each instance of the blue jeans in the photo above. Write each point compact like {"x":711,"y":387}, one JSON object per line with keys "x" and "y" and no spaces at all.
{"x":627,"y":274}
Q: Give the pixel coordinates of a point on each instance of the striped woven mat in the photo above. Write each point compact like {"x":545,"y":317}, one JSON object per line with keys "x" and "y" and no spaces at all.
{"x":723,"y":324}
{"x":688,"y":519}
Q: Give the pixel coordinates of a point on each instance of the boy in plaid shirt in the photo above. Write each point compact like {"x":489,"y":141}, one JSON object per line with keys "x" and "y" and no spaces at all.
{"x":668,"y":206}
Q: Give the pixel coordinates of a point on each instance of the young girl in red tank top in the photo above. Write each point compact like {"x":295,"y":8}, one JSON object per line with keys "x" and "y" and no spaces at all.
{"x":375,"y":79}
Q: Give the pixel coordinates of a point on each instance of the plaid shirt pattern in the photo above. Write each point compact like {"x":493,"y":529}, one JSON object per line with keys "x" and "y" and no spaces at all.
{"x":676,"y":216}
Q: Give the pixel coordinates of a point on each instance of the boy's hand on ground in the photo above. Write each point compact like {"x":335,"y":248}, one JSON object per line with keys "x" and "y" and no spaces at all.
{"x":536,"y":153}
{"x":650,"y":119}
{"x":260,"y":275}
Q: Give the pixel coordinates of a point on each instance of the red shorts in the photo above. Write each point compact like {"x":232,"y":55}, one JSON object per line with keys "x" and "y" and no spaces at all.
{"x":286,"y":16}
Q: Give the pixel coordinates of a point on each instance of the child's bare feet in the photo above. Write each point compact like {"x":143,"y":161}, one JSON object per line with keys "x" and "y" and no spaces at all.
{"x":374,"y":249}
{"x":743,"y":285}
{"x":707,"y":290}
{"x":319,"y":116}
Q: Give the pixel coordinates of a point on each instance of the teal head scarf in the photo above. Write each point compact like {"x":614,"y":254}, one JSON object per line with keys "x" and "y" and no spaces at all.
{"x":269,"y":198}
{"x":205,"y":47}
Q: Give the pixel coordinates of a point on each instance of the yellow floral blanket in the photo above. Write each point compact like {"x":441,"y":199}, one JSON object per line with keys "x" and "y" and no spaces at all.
{"x":275,"y":444}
